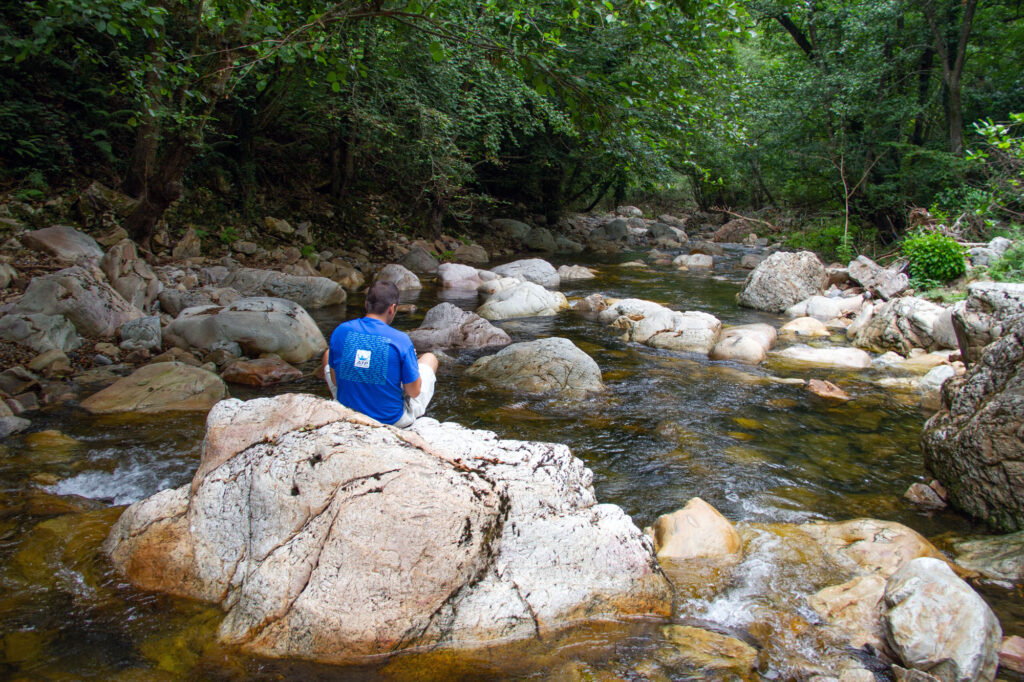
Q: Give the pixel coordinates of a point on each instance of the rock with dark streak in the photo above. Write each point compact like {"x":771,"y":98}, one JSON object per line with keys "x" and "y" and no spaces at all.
{"x":327,"y":536}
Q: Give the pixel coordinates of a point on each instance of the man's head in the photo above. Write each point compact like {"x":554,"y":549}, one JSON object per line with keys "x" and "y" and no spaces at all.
{"x":380,"y":298}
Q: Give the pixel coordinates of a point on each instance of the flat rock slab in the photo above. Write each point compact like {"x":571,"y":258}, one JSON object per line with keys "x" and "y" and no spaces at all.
{"x":260,"y":372}
{"x":160,"y":387}
{"x":839,"y":358}
{"x":63,"y":242}
{"x":308,"y":292}
{"x":327,"y":536}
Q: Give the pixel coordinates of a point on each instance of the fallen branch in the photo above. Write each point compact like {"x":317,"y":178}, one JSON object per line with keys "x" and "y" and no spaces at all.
{"x":722,"y":209}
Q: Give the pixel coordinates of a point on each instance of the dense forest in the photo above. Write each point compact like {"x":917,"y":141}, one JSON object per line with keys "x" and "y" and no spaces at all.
{"x":843,"y":115}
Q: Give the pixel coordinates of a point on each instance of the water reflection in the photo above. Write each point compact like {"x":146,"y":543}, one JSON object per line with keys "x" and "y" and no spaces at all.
{"x":669,"y":427}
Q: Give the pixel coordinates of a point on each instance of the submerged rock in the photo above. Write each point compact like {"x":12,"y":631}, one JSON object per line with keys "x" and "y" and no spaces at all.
{"x":336,"y":539}
{"x":783,"y":279}
{"x":552,"y":365}
{"x":260,"y":372}
{"x":870,"y":545}
{"x":1000,"y":557}
{"x":253,"y":325}
{"x":705,"y":650}
{"x":160,"y":387}
{"x":974,"y":444}
{"x":936,"y":623}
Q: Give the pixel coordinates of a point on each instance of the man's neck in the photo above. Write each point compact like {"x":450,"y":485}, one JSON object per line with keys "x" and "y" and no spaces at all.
{"x":379,"y":318}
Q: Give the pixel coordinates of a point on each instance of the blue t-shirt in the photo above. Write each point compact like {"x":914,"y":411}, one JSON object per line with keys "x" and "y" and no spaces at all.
{"x":370,"y":362}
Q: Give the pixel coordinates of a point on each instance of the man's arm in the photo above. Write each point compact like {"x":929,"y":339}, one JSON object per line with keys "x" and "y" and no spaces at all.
{"x":323,"y":365}
{"x":413,"y":390}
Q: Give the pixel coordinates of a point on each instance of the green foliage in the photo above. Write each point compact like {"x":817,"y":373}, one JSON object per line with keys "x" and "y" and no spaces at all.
{"x":934,"y":257}
{"x":1010,"y":266}
{"x":228,"y":235}
{"x":826,"y":238}
{"x":307,"y":250}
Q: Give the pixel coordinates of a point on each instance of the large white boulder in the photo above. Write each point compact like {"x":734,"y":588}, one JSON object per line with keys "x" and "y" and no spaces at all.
{"x":308,"y":292}
{"x":552,"y":365}
{"x":448,"y":326}
{"x":534,"y":270}
{"x":783,"y":279}
{"x":748,"y":343}
{"x":327,"y":536}
{"x":900,"y":325}
{"x":399,"y":275}
{"x":936,"y":623}
{"x":660,"y":327}
{"x":251,"y":326}
{"x":458,"y":276}
{"x":83,"y":296}
{"x":522,"y":299}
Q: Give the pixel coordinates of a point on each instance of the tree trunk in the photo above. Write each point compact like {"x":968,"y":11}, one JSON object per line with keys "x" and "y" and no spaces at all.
{"x":163,"y":188}
{"x":952,"y":53}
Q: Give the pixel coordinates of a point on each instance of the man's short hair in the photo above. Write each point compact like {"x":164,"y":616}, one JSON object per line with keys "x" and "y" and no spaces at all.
{"x":380,"y":297}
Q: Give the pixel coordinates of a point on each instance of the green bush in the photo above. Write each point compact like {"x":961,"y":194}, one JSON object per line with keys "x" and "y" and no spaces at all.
{"x":826,"y":238}
{"x":934,"y":257}
{"x":1010,"y":266}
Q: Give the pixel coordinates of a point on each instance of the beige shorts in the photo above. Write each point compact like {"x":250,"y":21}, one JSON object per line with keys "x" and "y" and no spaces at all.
{"x":414,"y":407}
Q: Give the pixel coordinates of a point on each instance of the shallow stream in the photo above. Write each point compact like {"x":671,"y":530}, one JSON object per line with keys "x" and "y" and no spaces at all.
{"x":669,"y":427}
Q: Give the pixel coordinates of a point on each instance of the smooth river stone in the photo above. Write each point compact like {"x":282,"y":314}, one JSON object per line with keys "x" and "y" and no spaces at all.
{"x":160,"y":387}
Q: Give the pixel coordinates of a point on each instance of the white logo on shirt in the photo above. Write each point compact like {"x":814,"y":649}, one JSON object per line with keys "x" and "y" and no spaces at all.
{"x":362,"y":359}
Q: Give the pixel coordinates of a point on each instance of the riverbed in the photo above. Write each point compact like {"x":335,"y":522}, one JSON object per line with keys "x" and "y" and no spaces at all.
{"x":670,"y":426}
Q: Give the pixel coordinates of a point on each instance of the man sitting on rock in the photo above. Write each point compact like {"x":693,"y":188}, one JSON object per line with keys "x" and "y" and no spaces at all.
{"x":372,"y":368}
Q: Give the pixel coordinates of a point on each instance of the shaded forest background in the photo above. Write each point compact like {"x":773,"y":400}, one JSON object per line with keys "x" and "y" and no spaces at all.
{"x":842,"y":115}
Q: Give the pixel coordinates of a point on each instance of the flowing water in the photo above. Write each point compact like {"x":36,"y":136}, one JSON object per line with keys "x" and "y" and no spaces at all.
{"x":670,"y":426}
